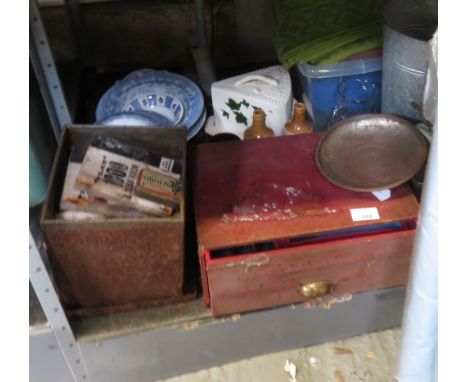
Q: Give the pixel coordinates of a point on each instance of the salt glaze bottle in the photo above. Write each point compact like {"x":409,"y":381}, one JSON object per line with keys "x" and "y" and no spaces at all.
{"x":298,"y":124}
{"x":258,"y":128}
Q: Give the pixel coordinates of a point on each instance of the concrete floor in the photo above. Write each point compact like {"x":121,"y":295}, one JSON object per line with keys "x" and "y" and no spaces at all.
{"x":367,"y":358}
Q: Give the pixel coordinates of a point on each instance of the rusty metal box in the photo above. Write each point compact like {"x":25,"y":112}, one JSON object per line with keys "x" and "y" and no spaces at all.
{"x":118,"y":261}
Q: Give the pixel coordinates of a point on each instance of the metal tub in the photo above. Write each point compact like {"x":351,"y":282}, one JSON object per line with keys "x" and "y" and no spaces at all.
{"x":114,"y":262}
{"x":408,"y":27}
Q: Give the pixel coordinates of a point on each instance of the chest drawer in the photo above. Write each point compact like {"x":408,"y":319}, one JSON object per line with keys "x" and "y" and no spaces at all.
{"x":272,"y":278}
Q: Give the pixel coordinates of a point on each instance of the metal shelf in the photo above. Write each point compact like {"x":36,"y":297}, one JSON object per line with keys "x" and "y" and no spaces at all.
{"x":156,"y":343}
{"x":160,"y":343}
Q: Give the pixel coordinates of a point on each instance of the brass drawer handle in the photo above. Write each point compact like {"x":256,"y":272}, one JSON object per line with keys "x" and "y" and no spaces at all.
{"x":317,"y":288}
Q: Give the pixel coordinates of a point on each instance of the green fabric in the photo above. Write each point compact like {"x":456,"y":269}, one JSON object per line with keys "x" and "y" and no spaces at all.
{"x":310,"y":30}
{"x":359,"y":46}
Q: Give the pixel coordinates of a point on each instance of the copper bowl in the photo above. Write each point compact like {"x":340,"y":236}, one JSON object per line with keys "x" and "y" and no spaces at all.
{"x":371,"y":152}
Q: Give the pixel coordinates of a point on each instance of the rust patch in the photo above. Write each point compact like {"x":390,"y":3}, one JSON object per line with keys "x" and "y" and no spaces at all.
{"x":116,"y":263}
{"x":343,"y":351}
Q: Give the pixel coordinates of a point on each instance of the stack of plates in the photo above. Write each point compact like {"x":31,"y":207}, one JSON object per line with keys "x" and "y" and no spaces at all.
{"x":153,"y":98}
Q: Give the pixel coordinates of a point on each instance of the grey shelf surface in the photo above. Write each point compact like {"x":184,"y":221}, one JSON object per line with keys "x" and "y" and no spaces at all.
{"x":131,"y":323}
{"x":167,"y":341}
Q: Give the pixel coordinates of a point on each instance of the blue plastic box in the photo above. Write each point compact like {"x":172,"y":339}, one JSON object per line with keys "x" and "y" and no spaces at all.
{"x":320,"y":87}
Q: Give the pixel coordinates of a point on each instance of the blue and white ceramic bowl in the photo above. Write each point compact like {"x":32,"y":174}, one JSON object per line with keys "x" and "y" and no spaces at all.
{"x":132,"y":118}
{"x":145,"y":98}
{"x":197,"y":126}
{"x":170,"y":95}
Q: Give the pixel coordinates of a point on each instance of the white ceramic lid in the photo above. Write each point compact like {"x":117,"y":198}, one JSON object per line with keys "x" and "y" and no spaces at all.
{"x":272,"y":85}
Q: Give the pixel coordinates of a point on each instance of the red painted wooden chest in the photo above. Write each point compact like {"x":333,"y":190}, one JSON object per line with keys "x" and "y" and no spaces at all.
{"x":269,"y":225}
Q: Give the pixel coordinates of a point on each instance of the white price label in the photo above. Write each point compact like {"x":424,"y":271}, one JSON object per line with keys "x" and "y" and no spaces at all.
{"x":166,"y":164}
{"x":362,"y":214}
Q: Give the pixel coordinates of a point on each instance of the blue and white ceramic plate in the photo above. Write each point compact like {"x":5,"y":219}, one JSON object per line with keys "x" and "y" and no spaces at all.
{"x":136,"y":119}
{"x":172,"y":96}
{"x":198,"y":125}
{"x":145,"y":98}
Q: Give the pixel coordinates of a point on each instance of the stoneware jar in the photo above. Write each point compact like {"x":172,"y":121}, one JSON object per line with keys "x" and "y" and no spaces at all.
{"x":258,"y":128}
{"x":298,"y":124}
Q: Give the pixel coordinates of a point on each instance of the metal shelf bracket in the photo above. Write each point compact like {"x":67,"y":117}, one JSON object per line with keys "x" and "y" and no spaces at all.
{"x":46,"y":72}
{"x":42,"y":284}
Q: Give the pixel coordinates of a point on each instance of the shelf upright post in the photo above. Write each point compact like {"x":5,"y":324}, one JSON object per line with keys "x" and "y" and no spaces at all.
{"x":50,"y":303}
{"x":46,"y":72}
{"x":57,"y":109}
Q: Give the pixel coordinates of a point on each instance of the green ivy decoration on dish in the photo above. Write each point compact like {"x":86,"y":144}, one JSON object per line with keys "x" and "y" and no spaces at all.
{"x":233,"y":105}
{"x":240,"y":118}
